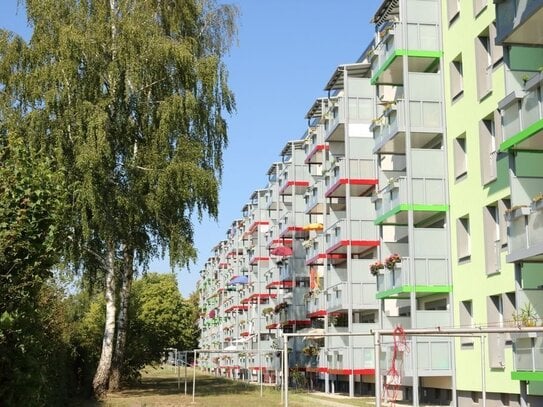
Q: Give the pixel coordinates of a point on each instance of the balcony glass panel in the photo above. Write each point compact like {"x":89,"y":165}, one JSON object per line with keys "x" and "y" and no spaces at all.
{"x":426,"y":191}
{"x":360,"y":230}
{"x":535,"y":225}
{"x":315,"y":304}
{"x":530,"y":107}
{"x":433,"y":357}
{"x":362,"y":168}
{"x":315,"y":248}
{"x":529,"y":354}
{"x":428,"y":272}
{"x":339,"y":297}
{"x":431,"y":319}
{"x":519,"y":115}
{"x":525,"y":228}
{"x":510,"y":121}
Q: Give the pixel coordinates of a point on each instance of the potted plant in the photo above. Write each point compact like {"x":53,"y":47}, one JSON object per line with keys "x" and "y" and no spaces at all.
{"x":279,"y":307}
{"x":392,"y":260}
{"x":267,"y":310}
{"x":310,"y":350}
{"x":375,"y":267}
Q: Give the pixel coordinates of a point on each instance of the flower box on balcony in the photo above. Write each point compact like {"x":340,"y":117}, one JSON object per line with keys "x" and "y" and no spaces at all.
{"x":516,"y":212}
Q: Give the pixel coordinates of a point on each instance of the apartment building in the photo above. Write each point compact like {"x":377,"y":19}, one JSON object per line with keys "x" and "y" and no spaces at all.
{"x":413,"y":200}
{"x":412,"y":205}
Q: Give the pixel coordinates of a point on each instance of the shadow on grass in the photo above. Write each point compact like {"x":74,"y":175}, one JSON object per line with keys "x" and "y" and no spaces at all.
{"x":215,"y":386}
{"x":158,"y":385}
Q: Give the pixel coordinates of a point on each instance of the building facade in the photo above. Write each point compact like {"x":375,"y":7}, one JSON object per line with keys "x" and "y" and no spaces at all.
{"x":413,"y":200}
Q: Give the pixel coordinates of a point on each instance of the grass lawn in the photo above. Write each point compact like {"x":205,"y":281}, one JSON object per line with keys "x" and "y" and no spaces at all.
{"x":159,"y":388}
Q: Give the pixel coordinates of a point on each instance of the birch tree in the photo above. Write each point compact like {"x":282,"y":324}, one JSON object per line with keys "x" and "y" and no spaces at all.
{"x":129,"y":99}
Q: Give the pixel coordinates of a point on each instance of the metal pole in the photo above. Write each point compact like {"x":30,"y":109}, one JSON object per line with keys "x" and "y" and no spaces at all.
{"x":186,"y":362}
{"x":483,"y":367}
{"x":377,"y":364}
{"x":285,"y":368}
{"x":194,"y":378}
{"x":178,"y":369}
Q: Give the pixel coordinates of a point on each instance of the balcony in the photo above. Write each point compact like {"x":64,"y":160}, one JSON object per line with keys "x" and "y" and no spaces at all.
{"x":522,"y":117}
{"x":315,"y":147}
{"x":294,"y":315}
{"x":525,"y":233}
{"x":421,"y":47}
{"x":314,"y":199}
{"x":363,"y":297}
{"x":431,"y":264}
{"x":425,"y":118}
{"x":315,"y":253}
{"x":428,"y":190}
{"x":291,"y":225}
{"x":519,"y":21}
{"x":339,"y":356}
{"x":294,"y":179}
{"x":315,"y":306}
{"x":360,"y":109}
{"x":528,"y":359}
{"x":360,"y":177}
{"x":363,"y":237}
{"x":434,"y":357}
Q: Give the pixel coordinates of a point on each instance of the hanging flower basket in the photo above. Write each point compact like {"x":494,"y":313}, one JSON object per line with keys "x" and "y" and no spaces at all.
{"x":375,"y":267}
{"x":392,"y":260}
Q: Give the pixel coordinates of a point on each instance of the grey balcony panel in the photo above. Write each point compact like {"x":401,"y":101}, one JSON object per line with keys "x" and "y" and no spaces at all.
{"x":528,"y":354}
{"x":525,"y":231}
{"x":428,"y":272}
{"x":434,"y":357}
{"x":430,"y":242}
{"x":391,"y":322}
{"x":363,"y":296}
{"x":432,"y":319}
{"x":519,"y":21}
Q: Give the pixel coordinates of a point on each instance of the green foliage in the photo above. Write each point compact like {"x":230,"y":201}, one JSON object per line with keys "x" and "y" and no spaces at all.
{"x":111,"y":135}
{"x":159,"y":318}
{"x":33,"y":353}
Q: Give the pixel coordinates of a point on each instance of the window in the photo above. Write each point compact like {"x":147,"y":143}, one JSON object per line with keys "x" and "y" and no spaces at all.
{"x":489,"y":139}
{"x":500,"y":308}
{"x":466,"y":320}
{"x":491,"y":229}
{"x":463,"y":239}
{"x":460,"y":157}
{"x":479,"y":6}
{"x":457,"y":78}
{"x":453,"y":10}
{"x":487,"y":55}
{"x":483,"y":65}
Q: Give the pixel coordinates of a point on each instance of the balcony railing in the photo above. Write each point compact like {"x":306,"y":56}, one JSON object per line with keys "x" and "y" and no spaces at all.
{"x":338,"y":296}
{"x":434,"y":357}
{"x":525,"y":232}
{"x":425,"y":116}
{"x":521,"y":110}
{"x":428,"y":272}
{"x":528,"y":354}
{"x":421,"y":37}
{"x":360,"y":110}
{"x":360,"y":230}
{"x":362,"y":168}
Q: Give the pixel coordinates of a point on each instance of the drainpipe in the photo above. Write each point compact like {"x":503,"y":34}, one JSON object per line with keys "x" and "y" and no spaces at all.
{"x":348,"y":224}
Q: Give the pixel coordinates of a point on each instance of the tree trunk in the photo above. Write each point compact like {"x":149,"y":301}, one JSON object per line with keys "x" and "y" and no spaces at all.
{"x":122,"y":318}
{"x":101,"y":377}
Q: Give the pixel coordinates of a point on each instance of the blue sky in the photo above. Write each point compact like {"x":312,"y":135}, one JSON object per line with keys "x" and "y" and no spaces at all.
{"x":286,"y":52}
